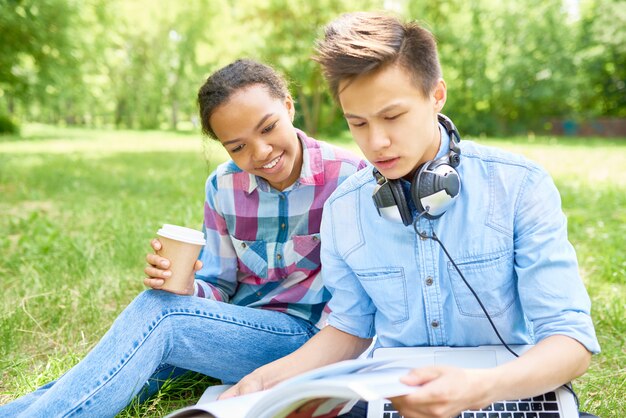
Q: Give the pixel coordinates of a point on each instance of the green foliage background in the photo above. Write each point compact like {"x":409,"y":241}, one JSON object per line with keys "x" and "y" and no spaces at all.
{"x":78,"y":206}
{"x":511,"y":66}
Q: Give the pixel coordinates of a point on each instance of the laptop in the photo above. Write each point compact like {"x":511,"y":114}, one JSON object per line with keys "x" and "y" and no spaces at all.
{"x":557,"y":404}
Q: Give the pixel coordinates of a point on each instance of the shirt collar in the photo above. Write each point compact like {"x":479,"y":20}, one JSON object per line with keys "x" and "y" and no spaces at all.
{"x":312,"y":172}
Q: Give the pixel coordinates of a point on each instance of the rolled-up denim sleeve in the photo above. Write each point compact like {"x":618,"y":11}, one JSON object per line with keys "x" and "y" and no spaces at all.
{"x":552,"y":292}
{"x":352,"y":310}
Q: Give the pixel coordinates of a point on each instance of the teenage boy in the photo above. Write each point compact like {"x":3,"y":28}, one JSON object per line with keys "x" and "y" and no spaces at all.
{"x":497,"y":215}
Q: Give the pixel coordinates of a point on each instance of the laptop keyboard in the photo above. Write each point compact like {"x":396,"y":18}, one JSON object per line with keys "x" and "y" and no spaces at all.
{"x":542,"y":406}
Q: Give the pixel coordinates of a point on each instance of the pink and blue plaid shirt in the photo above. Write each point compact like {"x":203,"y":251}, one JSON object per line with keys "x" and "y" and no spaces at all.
{"x":263,"y":245}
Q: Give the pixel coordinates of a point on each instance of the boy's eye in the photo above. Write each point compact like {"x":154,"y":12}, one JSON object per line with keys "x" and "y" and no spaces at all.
{"x":394,"y":116}
{"x":238,"y":148}
{"x":357,"y":124}
{"x":269,"y":128}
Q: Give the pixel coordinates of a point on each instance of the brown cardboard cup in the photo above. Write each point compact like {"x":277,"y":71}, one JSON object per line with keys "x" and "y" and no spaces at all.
{"x":181,"y":246}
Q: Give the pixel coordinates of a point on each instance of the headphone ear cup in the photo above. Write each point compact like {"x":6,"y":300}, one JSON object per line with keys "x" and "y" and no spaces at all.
{"x":403,"y":205}
{"x":435,"y":186}
{"x":420,"y":186}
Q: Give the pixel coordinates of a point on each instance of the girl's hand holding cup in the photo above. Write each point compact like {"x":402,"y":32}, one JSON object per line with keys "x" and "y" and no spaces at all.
{"x":175,"y":260}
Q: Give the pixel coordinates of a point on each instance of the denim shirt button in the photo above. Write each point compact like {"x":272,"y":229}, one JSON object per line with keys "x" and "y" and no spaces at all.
{"x":423,"y":236}
{"x":429,"y":281}
{"x":434,"y":324}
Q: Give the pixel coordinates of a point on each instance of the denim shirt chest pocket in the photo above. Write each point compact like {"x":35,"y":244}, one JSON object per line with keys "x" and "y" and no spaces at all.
{"x":388,"y":290}
{"x":491,"y":277}
{"x":251,"y":256}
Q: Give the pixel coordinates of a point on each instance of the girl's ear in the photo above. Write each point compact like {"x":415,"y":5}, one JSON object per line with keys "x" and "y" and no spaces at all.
{"x":439,"y":95}
{"x":291,"y":107}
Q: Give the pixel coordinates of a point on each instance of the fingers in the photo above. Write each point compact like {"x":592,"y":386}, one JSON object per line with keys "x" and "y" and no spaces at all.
{"x":157,"y":261}
{"x":157,"y":273}
{"x":421,"y":376}
{"x":157,"y":270}
{"x":428,"y":380}
{"x":442,"y":391}
{"x":153,"y":283}
{"x":249,"y":384}
{"x":156,"y":244}
{"x":229,"y":393}
{"x":437,"y":394}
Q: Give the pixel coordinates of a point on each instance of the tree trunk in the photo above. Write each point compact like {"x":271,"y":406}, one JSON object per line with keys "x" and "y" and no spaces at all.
{"x":174,"y":119}
{"x":11,"y":105}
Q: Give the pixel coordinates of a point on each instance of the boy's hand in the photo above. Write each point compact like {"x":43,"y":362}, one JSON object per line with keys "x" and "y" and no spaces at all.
{"x":442,"y":392}
{"x":157,"y":269}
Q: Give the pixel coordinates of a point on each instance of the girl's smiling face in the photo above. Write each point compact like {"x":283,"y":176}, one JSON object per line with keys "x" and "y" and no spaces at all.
{"x":256,"y":130}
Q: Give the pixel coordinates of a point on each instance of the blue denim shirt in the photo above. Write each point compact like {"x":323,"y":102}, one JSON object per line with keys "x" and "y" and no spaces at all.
{"x":506,"y":232}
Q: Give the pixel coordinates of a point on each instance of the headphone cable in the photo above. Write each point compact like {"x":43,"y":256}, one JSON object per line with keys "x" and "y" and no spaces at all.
{"x":458,"y":270}
{"x":435,"y":238}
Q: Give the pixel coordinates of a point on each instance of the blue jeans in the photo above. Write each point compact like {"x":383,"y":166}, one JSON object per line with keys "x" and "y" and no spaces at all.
{"x":157,"y":330}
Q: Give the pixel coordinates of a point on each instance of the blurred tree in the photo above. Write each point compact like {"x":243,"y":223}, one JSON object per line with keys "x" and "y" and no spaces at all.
{"x":38,"y":53}
{"x":508,"y":65}
{"x":602,"y":58}
{"x":535,"y":64}
{"x":152,"y":60}
{"x":289,"y":29}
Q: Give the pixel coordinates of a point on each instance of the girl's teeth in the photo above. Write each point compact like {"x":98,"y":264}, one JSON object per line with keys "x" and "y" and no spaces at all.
{"x":272,"y":163}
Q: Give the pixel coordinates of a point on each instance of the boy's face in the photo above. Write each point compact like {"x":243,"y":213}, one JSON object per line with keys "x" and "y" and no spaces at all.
{"x":256,"y":130}
{"x":391,"y":121}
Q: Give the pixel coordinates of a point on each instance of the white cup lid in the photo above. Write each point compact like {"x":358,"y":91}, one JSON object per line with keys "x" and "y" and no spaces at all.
{"x":180,"y":233}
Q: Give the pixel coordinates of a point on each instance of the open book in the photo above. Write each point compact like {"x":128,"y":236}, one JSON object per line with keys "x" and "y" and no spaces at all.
{"x":321,"y":393}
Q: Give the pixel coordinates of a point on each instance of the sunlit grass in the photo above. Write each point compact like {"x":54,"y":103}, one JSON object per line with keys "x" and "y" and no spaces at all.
{"x":78,"y":208}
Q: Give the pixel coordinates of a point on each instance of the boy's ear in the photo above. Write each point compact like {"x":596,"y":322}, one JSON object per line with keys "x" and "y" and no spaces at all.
{"x":440,"y":95}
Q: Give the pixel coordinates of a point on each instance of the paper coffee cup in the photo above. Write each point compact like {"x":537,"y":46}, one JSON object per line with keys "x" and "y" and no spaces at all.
{"x":181,"y":246}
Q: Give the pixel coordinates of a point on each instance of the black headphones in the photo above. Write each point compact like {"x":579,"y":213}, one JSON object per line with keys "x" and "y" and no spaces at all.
{"x":434,"y":187}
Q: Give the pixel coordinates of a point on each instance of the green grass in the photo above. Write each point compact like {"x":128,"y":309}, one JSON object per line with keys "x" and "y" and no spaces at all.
{"x":78,"y":208}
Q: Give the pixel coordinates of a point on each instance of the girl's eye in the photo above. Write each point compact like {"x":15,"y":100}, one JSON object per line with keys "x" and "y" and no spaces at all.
{"x":357,"y":124}
{"x":238,"y":148}
{"x":269,"y":128}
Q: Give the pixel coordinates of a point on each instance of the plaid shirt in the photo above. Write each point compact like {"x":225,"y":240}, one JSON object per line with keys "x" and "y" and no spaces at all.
{"x":263,"y":246}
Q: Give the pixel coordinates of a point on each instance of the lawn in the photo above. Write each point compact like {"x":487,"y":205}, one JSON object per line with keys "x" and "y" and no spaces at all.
{"x":78,"y":208}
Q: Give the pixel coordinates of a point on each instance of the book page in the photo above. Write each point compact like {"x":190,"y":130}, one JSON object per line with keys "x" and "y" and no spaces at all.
{"x":313,"y":408}
{"x":330,"y":393}
{"x":237,"y":407}
{"x":319,"y":392}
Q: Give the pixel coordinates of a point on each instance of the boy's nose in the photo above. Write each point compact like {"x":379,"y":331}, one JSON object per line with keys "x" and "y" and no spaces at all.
{"x":378,"y":139}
